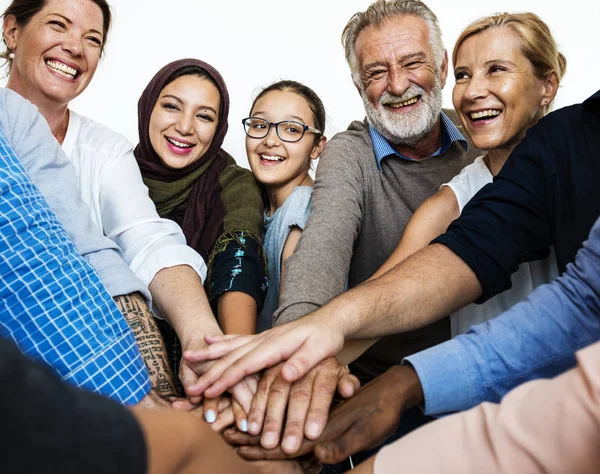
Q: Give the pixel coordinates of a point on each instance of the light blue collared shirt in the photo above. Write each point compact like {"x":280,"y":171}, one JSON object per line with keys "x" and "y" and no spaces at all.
{"x":536,"y":338}
{"x":450,"y":134}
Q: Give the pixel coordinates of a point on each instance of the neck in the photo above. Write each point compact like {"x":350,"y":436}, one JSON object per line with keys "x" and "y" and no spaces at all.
{"x":278,"y":194}
{"x":495,"y":159}
{"x":57,"y":115}
{"x":425,"y":147}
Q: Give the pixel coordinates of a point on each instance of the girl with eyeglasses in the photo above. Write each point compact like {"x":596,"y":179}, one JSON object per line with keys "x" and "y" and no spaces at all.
{"x":284,"y":133}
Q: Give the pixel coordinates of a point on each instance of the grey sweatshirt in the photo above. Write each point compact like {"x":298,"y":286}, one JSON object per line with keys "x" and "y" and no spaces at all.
{"x":357,"y":218}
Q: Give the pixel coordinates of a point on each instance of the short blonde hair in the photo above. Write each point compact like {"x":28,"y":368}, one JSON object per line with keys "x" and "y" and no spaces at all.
{"x":537,"y":42}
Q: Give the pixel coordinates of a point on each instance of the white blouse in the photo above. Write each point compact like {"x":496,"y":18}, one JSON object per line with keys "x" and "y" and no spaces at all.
{"x":529,"y":275}
{"x":111,"y":184}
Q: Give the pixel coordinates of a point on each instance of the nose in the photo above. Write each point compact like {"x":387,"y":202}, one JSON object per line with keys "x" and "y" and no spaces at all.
{"x":184,"y":124}
{"x":272,"y":139}
{"x":398,"y":81}
{"x":73,"y":44}
{"x":476,"y":88}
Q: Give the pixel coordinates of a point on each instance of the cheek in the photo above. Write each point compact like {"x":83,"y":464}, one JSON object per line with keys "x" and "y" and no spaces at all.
{"x":207,"y":133}
{"x":373,"y":92}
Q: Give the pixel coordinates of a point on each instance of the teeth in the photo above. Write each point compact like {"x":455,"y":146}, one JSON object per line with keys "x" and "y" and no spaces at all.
{"x":62,"y":69}
{"x":271,"y":158}
{"x":178,"y":143}
{"x":484,"y":113}
{"x":405,"y":103}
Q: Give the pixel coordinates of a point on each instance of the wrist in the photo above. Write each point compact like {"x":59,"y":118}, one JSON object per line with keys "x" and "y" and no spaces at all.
{"x":406,"y":384}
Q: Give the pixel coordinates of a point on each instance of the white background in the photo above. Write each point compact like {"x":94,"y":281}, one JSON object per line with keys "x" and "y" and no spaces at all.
{"x":305,"y":46}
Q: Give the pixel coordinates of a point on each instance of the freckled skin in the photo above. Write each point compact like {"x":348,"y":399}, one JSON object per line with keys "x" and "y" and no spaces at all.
{"x":77,"y":44}
{"x":492,"y":73}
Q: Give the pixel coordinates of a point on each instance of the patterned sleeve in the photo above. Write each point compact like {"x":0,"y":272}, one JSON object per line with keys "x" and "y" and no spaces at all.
{"x":240,"y":266}
{"x":52,"y":303}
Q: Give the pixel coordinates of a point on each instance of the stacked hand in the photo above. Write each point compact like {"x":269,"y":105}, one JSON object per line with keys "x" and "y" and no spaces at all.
{"x":303,"y":393}
{"x":357,"y":424}
{"x":220,"y":412}
{"x":301,"y":345}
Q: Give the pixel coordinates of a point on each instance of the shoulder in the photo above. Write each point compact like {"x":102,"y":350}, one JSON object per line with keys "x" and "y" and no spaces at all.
{"x":354,"y":139}
{"x":15,"y":112}
{"x":98,"y":138}
{"x":298,"y":202}
{"x":350,"y":151}
{"x":295,"y":210}
{"x":236,"y":174}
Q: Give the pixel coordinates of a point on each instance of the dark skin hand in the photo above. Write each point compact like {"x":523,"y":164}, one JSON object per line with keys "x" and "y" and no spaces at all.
{"x":360,"y":423}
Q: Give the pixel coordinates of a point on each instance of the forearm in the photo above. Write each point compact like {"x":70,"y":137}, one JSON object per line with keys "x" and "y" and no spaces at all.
{"x":180,"y":443}
{"x":426,"y":287}
{"x":178,"y":294}
{"x":353,"y":349}
{"x":237,"y":313}
{"x":149,"y":341}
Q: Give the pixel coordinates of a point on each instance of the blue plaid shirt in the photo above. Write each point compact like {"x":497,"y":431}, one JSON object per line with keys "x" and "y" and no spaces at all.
{"x":450,"y":134}
{"x":52,"y":303}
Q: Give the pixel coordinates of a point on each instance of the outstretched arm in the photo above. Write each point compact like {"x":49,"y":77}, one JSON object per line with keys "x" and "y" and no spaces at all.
{"x":429,"y":221}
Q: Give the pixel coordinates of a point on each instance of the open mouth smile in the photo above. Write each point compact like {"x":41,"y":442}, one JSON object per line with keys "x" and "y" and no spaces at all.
{"x":406,"y":103}
{"x":62,"y":69}
{"x":484,"y":115}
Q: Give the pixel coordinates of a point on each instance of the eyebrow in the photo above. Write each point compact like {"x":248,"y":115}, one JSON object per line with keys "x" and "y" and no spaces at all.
{"x":505,"y":61}
{"x":403,"y":59}
{"x":174,"y":97}
{"x":70,"y":22}
{"x":295,"y":117}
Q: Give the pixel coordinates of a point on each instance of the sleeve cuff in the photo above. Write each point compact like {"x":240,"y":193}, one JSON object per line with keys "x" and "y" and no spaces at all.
{"x":117,"y":372}
{"x":170,"y":256}
{"x":448,"y":377}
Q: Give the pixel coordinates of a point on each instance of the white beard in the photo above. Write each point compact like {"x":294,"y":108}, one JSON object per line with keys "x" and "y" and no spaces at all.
{"x":410,"y":127}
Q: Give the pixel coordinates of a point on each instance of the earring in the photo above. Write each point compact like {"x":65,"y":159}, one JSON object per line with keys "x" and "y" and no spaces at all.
{"x":11,"y":55}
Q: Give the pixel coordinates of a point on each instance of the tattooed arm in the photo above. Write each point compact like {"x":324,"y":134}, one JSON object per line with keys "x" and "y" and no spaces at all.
{"x":149,"y":341}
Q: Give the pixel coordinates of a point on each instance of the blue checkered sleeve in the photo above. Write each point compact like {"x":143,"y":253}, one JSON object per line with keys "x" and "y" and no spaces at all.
{"x":52,"y":304}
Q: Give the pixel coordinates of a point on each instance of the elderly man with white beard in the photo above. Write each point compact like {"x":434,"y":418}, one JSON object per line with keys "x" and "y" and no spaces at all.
{"x":370,"y":180}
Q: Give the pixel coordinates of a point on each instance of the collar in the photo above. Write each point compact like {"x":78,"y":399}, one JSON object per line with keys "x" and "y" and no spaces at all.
{"x":450,"y":134}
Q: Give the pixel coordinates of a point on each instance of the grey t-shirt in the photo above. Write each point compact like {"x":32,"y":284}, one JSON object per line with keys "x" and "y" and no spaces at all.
{"x":293,"y":213}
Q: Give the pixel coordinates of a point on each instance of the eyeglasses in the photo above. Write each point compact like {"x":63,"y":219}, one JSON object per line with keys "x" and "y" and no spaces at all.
{"x":288,"y":131}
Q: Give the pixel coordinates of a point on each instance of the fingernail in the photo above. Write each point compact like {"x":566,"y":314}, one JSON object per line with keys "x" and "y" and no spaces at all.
{"x":289,"y":443}
{"x":244,"y":426}
{"x":211,"y":416}
{"x":291,"y":371}
{"x":313,"y":430}
{"x":254,"y":429}
{"x":269,"y":440}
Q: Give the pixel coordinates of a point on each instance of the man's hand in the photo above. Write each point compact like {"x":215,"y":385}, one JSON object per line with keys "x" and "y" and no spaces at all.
{"x":362,"y":422}
{"x":303,"y":344}
{"x":307,"y":400}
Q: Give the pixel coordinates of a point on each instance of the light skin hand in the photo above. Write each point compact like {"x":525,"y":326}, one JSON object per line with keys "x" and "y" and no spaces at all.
{"x":360,"y":423}
{"x":243,"y":393}
{"x":305,"y":343}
